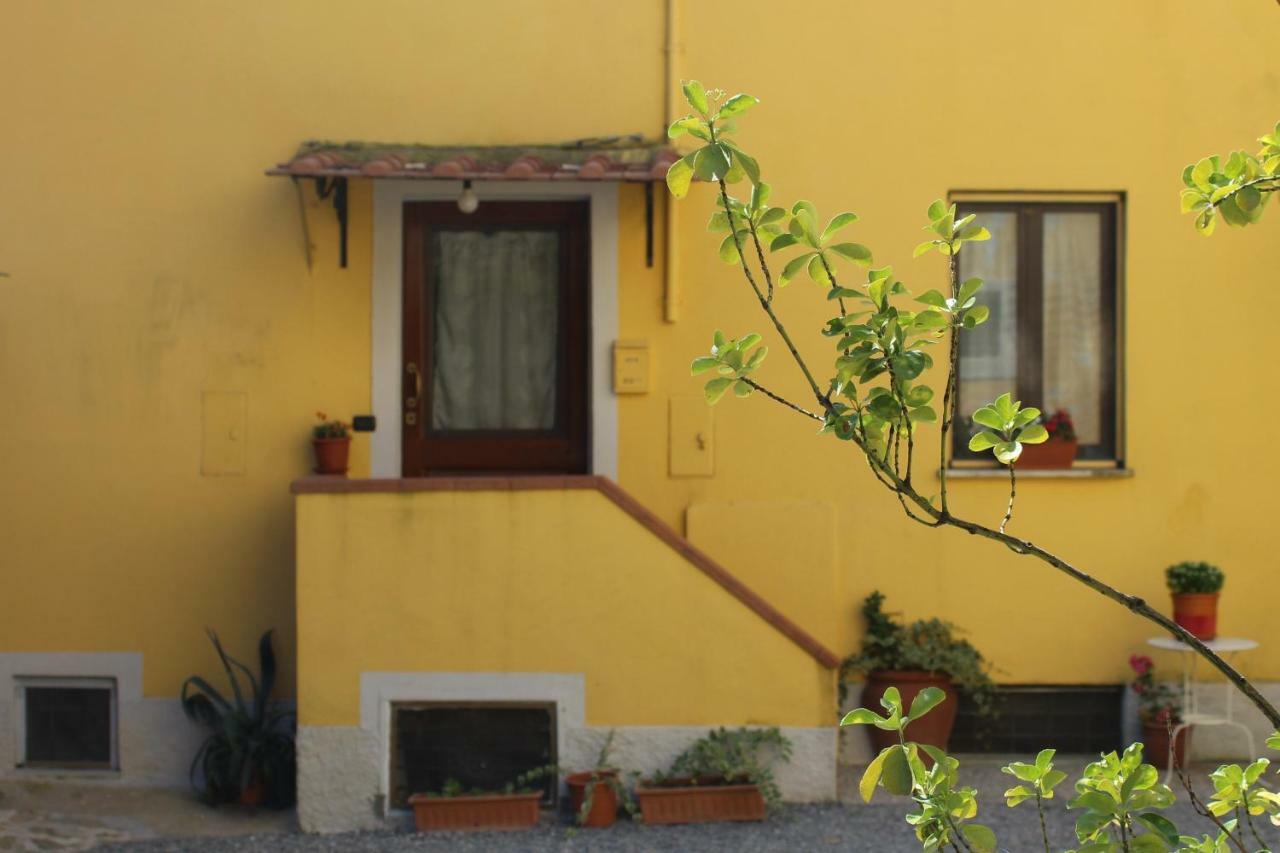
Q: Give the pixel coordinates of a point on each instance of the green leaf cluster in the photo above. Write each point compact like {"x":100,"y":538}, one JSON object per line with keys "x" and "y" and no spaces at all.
{"x":1194,"y":576}
{"x":1007,"y":426}
{"x":950,"y":233}
{"x":756,"y":215}
{"x":1120,"y":794}
{"x":945,"y":807}
{"x":713,"y":122}
{"x":733,"y":359}
{"x":735,"y":755}
{"x":1236,"y":188}
{"x":1039,"y":779}
{"x":926,"y":645}
{"x":819,"y":249}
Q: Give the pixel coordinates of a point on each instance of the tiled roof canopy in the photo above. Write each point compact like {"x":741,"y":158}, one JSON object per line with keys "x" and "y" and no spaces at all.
{"x":612,"y":159}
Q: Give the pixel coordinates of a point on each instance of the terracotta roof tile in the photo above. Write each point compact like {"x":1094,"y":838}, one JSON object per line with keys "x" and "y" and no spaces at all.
{"x":628,"y":158}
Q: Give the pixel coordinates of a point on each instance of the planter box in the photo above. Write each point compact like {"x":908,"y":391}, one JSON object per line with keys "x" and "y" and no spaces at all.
{"x":1052,"y":454}
{"x":484,"y":811}
{"x":674,"y":802}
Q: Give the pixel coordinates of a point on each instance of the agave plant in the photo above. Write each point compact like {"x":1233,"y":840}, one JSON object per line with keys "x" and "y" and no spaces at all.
{"x":248,"y":756}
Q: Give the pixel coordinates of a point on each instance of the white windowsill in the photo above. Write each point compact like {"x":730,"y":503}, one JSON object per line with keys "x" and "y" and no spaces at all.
{"x":1002,"y":473}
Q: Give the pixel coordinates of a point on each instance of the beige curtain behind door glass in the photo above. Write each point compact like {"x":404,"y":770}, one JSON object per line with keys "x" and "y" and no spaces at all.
{"x":495,"y":329}
{"x":1073,"y":368}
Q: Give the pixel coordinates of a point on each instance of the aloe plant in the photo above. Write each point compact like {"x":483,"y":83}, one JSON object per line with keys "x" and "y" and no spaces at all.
{"x":251,"y":737}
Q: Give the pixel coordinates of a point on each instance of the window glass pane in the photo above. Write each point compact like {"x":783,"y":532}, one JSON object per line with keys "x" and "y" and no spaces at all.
{"x":989,"y":353}
{"x":1074,"y":373}
{"x":495,"y":329}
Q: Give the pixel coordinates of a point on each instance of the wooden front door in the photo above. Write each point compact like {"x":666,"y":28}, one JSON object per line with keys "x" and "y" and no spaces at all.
{"x":496,"y":331}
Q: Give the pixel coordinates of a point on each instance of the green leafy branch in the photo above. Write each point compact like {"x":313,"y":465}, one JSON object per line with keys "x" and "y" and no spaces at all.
{"x":1237,"y":189}
{"x":1040,"y":779}
{"x":891,"y":344}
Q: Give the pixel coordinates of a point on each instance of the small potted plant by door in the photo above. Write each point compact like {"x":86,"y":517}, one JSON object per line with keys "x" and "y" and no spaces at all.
{"x":595,"y":794}
{"x":1195,"y":588}
{"x":1160,"y":712}
{"x":925,"y":653}
{"x":332,"y":443}
{"x":1058,"y":451}
{"x":453,"y":807}
{"x":724,"y":776}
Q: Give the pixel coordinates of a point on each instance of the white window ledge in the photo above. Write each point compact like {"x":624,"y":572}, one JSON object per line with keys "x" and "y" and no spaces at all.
{"x":1002,"y":473}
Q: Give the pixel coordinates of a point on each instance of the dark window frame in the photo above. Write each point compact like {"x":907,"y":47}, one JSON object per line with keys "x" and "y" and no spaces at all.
{"x":1030,"y":316}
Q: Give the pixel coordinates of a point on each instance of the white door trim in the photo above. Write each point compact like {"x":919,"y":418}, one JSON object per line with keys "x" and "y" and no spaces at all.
{"x":389,"y":197}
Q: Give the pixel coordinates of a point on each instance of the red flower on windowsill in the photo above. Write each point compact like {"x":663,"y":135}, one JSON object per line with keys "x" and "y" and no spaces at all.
{"x":1060,"y":426}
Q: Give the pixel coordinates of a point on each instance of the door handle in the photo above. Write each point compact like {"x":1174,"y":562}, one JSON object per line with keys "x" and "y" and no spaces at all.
{"x":412,"y":369}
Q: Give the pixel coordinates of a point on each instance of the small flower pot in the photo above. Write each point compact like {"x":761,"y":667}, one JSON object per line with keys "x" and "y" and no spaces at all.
{"x":255,"y":793}
{"x":934,"y":728}
{"x":483,"y":811}
{"x":332,"y":455}
{"x":698,"y":801}
{"x":1155,"y":740}
{"x":1197,"y":612}
{"x":1052,"y":454}
{"x":604,"y":801}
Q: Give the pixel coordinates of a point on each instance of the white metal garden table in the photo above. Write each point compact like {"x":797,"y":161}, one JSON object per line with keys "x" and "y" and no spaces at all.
{"x":1228,"y":648}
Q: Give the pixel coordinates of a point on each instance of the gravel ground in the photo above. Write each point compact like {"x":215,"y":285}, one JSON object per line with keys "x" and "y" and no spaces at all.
{"x":876,"y":827}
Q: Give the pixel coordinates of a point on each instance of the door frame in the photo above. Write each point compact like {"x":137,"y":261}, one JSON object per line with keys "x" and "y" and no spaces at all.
{"x":389,"y":197}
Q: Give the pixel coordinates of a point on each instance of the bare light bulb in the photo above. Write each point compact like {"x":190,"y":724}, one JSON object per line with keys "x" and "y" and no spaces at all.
{"x":468,"y":201}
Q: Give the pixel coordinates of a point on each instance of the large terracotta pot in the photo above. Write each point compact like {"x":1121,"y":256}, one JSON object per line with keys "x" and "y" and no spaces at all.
{"x":934,"y":728}
{"x":331,"y":454}
{"x":1197,"y":612}
{"x":604,"y":802}
{"x":484,"y":811}
{"x":680,"y":801}
{"x":1155,"y":741}
{"x":1051,"y":454}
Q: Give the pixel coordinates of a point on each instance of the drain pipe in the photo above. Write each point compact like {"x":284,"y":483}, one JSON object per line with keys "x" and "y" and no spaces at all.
{"x":671,"y":290}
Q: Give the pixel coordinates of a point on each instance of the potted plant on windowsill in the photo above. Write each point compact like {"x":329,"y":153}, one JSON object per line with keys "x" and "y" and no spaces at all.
{"x":1058,"y":451}
{"x":453,"y":807}
{"x":1160,"y":712}
{"x":594,"y":795}
{"x":331,"y":441}
{"x":925,"y":653}
{"x":724,"y":776}
{"x":1195,"y":587}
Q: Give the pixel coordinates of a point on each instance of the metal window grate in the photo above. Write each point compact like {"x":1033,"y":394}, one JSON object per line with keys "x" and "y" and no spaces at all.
{"x":1084,"y":719}
{"x":483,"y":747}
{"x":68,"y":723}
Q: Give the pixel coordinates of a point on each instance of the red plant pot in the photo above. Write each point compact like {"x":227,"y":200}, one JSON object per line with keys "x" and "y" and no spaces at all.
{"x":485,"y":811}
{"x":1197,"y":612}
{"x":604,"y":801}
{"x":933,"y":728}
{"x":680,"y":801}
{"x":1052,"y":454}
{"x":332,"y":454}
{"x":1155,"y":741}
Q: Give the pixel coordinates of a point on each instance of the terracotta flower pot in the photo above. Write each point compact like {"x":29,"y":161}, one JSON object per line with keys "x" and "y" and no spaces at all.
{"x":933,"y":728}
{"x":1155,"y":740}
{"x":1197,"y":612}
{"x":679,"y":801}
{"x":1049,"y":455}
{"x":483,"y":811}
{"x":331,"y":454}
{"x":255,"y":793}
{"x":604,"y":802}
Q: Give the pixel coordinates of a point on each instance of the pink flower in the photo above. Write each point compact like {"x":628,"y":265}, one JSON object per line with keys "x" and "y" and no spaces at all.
{"x":1141,"y":664}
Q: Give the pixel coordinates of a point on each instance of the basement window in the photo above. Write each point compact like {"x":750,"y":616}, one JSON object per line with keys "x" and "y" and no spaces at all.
{"x":67,"y":723}
{"x":481,"y":746}
{"x":1071,"y":718}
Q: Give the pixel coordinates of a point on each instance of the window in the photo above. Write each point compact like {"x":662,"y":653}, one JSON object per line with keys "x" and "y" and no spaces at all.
{"x":67,"y":723}
{"x":1050,"y":273}
{"x":480,"y":746}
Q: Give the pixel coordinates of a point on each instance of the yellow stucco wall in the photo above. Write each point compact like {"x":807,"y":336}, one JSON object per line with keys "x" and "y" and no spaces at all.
{"x":149,"y":262}
{"x":534,"y":581}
